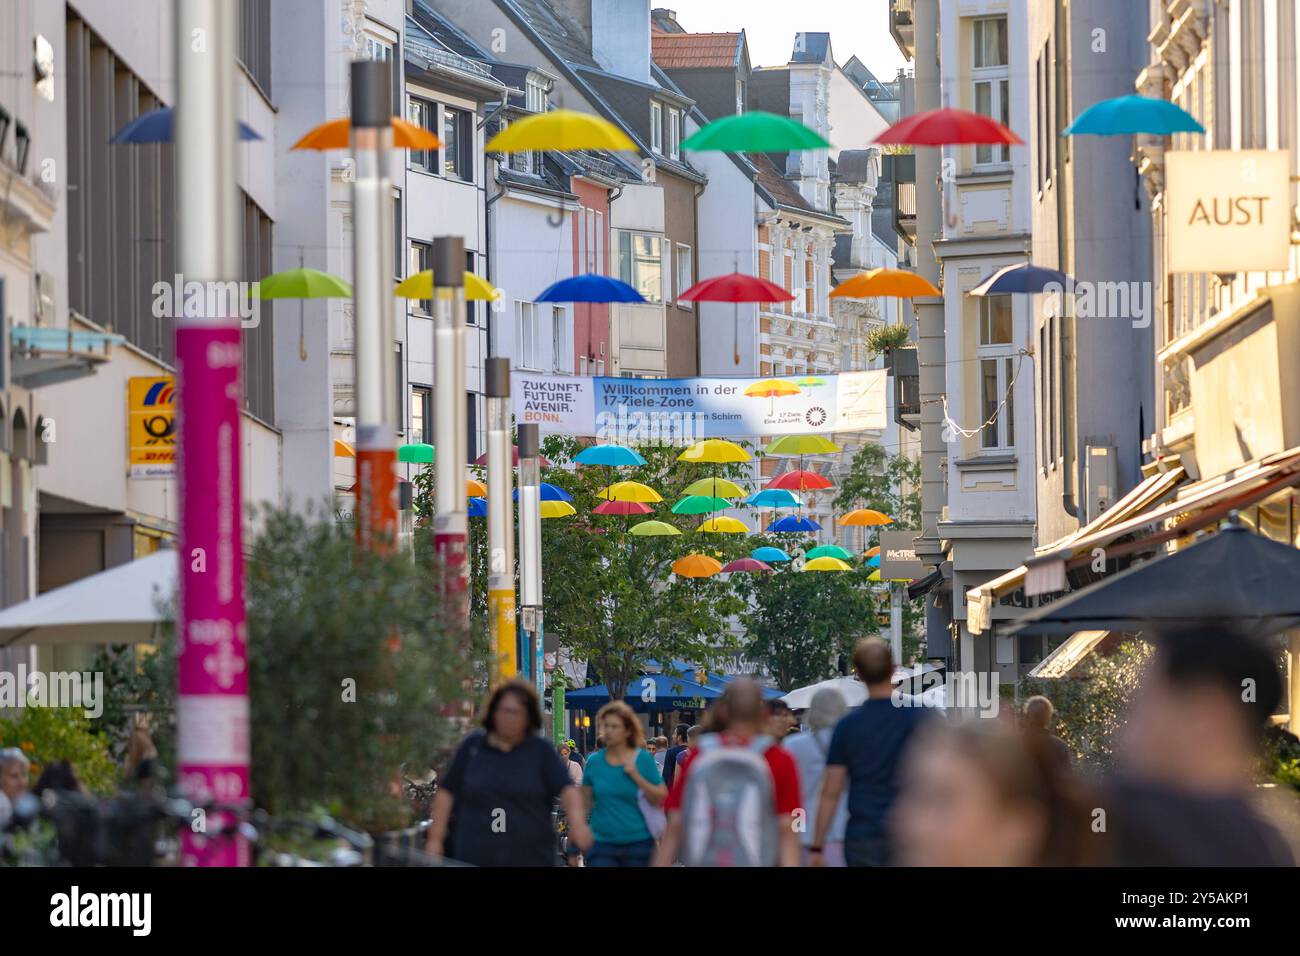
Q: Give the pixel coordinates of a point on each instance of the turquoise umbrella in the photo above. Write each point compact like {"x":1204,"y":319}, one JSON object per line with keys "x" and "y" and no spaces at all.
{"x":1132,"y":114}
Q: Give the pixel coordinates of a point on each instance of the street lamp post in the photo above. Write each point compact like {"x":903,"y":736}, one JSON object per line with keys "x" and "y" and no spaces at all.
{"x":212,"y":650}
{"x":501,"y":524}
{"x":372,"y":267}
{"x":530,"y":551}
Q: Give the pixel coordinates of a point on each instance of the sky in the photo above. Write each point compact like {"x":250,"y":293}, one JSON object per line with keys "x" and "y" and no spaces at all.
{"x":856,"y":27}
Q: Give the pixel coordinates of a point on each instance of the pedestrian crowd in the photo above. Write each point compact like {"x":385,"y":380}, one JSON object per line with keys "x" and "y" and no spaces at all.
{"x":881,"y":783}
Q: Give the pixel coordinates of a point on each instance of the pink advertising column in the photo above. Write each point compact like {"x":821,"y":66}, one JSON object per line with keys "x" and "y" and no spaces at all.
{"x":212,"y":651}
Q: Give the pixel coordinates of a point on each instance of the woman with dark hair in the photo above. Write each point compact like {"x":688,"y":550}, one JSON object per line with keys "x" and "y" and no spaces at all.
{"x":494,"y":803}
{"x":624,"y":790}
{"x":59,"y":777}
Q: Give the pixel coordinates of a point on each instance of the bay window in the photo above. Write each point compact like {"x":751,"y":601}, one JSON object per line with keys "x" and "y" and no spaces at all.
{"x":640,"y":263}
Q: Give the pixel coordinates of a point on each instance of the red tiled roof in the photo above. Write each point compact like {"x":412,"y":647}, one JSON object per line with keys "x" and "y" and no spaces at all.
{"x":675,"y":51}
{"x":780,"y":188}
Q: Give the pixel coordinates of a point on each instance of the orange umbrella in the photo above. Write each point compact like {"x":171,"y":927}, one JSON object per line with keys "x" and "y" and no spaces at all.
{"x":871,"y":552}
{"x":873,"y":282}
{"x":865,"y":516}
{"x":336,"y":134}
{"x":475,"y":488}
{"x":343,"y":450}
{"x":696,"y":566}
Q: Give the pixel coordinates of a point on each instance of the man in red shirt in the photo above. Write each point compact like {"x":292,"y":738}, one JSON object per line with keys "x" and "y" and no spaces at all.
{"x":739,"y":716}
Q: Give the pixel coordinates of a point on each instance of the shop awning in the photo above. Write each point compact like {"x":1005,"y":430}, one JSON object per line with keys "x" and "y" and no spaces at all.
{"x":979,"y":601}
{"x":1068,"y":655}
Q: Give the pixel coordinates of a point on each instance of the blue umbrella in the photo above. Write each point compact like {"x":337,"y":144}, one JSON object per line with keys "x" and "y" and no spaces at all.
{"x":156,"y":127}
{"x":1024,"y":278}
{"x":550,"y":492}
{"x":590,"y":288}
{"x":1133,"y":114}
{"x":793,"y":524}
{"x":613,"y":456}
{"x":873,"y":561}
{"x":769,"y":554}
{"x":774,"y":498}
{"x":478,"y":507}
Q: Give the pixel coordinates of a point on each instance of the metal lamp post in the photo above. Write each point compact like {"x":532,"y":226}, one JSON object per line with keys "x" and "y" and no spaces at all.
{"x":450,"y":434}
{"x":501,"y":525}
{"x":530,"y":552}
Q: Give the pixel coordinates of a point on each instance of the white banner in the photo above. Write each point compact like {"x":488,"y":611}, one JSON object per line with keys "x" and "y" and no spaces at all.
{"x":664,"y":409}
{"x":1229,"y":210}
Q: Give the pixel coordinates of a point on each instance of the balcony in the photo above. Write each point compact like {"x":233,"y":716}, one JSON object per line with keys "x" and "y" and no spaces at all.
{"x":901,"y":170}
{"x":901,"y":26}
{"x":906,"y":372}
{"x":46,"y":356}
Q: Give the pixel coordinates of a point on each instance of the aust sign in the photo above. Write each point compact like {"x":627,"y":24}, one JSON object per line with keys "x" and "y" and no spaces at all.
{"x":1229,"y":210}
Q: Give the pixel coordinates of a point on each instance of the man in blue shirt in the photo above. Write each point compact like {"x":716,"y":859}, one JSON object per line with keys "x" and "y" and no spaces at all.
{"x":865,"y":752}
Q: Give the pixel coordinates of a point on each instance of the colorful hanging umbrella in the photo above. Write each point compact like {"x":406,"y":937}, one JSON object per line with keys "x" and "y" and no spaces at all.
{"x":830,"y":551}
{"x":541,"y":459}
{"x":754,"y":131}
{"x":793,"y":524}
{"x":343,"y":450}
{"x":550,"y":492}
{"x":557,"y":509}
{"x":478,"y":507}
{"x":724,"y":525}
{"x":1024,"y":279}
{"x":155,"y":126}
{"x":419,"y":453}
{"x":1133,"y":114}
{"x":893,"y":282}
{"x":420,"y":286}
{"x":622,"y":508}
{"x":872,"y":552}
{"x":827,"y":564}
{"x":864,"y":517}
{"x":714,"y":450}
{"x":629,"y":491}
{"x":303,"y":284}
{"x":800,"y":480}
{"x":590,"y":288}
{"x":475,"y":488}
{"x":874,"y":576}
{"x":774,"y":498}
{"x":772,"y":388}
{"x":769,"y":553}
{"x":652,"y":529}
{"x":745,"y":564}
{"x":735,"y":287}
{"x":700,"y":505}
{"x":714,"y":488}
{"x":613,"y":456}
{"x":337,"y":134}
{"x":873,"y":561}
{"x":808,"y":381}
{"x":560,"y":130}
{"x":801,"y":445}
{"x":947,"y":127}
{"x":696,"y":566}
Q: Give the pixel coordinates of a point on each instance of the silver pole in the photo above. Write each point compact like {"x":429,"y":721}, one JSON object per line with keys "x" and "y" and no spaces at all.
{"x":450,"y":430}
{"x":501,"y":524}
{"x":530,"y":546}
{"x":896,"y":622}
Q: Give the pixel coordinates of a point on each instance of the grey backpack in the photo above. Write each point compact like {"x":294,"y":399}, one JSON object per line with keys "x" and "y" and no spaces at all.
{"x":728,"y":818}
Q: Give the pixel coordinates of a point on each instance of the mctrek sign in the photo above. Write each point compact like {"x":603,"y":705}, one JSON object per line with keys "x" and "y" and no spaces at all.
{"x":1229,"y":210}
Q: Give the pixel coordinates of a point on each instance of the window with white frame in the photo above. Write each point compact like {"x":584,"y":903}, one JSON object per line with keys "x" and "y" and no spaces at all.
{"x":675,"y":134}
{"x":527,"y":336}
{"x":377,"y":49}
{"x":990,"y":76}
{"x":657,"y":128}
{"x":640,"y":263}
{"x":996,"y":372}
{"x":685,"y":268}
{"x":535,"y":96}
{"x":598,"y":243}
{"x":561,"y":345}
{"x":424,"y":114}
{"x":580,"y":226}
{"x":417,"y":260}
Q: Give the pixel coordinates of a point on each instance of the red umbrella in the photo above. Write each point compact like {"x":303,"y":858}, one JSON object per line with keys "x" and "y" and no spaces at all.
{"x":799,"y":481}
{"x":745,"y":564}
{"x":735,"y":287}
{"x":541,"y":459}
{"x":621,"y":508}
{"x":947,"y":127}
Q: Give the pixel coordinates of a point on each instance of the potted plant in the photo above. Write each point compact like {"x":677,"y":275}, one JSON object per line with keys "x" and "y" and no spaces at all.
{"x":886,"y":339}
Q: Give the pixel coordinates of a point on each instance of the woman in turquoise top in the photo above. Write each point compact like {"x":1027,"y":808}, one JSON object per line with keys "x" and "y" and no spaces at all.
{"x":612,"y":780}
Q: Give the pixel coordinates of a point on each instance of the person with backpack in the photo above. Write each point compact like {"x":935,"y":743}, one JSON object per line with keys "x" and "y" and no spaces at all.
{"x":735,"y":794}
{"x":809,"y":750}
{"x":624,"y":791}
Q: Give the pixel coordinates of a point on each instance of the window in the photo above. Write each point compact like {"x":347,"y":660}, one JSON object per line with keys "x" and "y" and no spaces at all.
{"x":255,"y":41}
{"x":526,"y":336}
{"x":471,"y":307}
{"x":657,"y":128}
{"x":457,"y":145}
{"x":399,"y":237}
{"x":740,"y":97}
{"x":598,"y":244}
{"x":990,"y":78}
{"x":377,"y":49}
{"x":423,"y":114}
{"x":640,"y":263}
{"x":675,"y":134}
{"x":417,"y":260}
{"x":422,"y":414}
{"x":535,"y":98}
{"x":561,"y":349}
{"x":585,"y":254}
{"x":471,"y":426}
{"x":995,"y":320}
{"x":996,"y":371}
{"x":685,"y":268}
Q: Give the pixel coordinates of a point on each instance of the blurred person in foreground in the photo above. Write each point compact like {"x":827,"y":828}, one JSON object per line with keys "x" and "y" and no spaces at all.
{"x":864,"y":756}
{"x":15,"y":770}
{"x":623,"y":791}
{"x":493,"y":806}
{"x":735,"y":795}
{"x":1037,"y":719}
{"x":1182,"y":792}
{"x":809,"y":750}
{"x":982,"y":793}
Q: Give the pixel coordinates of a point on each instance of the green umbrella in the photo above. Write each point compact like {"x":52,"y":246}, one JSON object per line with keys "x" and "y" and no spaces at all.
{"x":303,"y":283}
{"x":829,"y":551}
{"x":755,"y":132}
{"x":700,"y":505}
{"x":418,"y":453}
{"x":652,"y":528}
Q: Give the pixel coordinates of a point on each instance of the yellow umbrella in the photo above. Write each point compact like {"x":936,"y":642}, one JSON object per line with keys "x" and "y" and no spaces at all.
{"x":420,"y":286}
{"x":696,"y":566}
{"x":343,"y":450}
{"x":629,"y":491}
{"x":864,"y":517}
{"x":335,"y":134}
{"x":557,"y":509}
{"x":772,"y":388}
{"x":475,"y":488}
{"x":714,"y":488}
{"x":827,"y":564}
{"x":714,"y":450}
{"x":724,"y":525}
{"x":874,"y":576}
{"x":562,"y":130}
{"x":873,"y":282}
